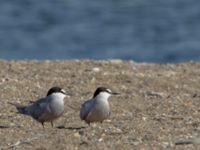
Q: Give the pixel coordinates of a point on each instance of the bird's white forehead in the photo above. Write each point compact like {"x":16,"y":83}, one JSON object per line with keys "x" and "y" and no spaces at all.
{"x":63,"y":91}
{"x":109,"y":90}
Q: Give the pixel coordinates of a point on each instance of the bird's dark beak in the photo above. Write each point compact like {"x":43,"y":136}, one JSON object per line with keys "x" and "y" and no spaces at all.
{"x":115,"y":93}
{"x":68,"y":94}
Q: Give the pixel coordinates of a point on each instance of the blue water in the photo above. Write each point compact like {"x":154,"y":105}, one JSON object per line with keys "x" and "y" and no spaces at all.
{"x":141,"y":30}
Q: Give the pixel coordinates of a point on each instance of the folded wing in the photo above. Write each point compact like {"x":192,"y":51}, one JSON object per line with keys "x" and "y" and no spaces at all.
{"x":85,"y":109}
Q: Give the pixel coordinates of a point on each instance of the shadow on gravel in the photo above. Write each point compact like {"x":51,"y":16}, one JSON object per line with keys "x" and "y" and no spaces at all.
{"x":70,"y":128}
{"x":5,"y":126}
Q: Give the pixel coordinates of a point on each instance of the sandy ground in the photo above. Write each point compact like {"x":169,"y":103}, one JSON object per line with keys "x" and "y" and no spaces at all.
{"x":158,"y":105}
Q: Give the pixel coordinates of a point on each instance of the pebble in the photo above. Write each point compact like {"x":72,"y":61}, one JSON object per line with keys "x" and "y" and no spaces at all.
{"x":96,"y":69}
{"x":116,"y":61}
{"x":100,"y":140}
{"x":153,"y":93}
{"x":77,"y":135}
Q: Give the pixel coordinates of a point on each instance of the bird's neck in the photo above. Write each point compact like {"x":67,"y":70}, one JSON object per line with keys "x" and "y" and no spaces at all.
{"x":102,"y":98}
{"x":58,"y":97}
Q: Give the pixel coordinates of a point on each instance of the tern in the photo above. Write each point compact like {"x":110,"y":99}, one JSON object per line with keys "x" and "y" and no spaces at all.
{"x":97,"y":108}
{"x":45,"y":109}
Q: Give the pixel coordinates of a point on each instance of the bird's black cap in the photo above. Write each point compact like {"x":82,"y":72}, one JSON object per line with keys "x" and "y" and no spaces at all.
{"x":56,"y":89}
{"x":101,"y":89}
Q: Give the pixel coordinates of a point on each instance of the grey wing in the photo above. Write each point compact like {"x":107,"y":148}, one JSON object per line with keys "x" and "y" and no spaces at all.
{"x":85,"y":109}
{"x":37,"y":109}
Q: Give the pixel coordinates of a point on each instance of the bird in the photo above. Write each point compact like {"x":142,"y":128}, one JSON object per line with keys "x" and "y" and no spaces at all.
{"x":45,"y":109}
{"x":97,"y":108}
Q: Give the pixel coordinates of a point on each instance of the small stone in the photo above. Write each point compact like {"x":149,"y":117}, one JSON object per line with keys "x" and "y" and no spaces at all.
{"x":93,"y":80}
{"x":77,"y":135}
{"x":144,"y":118}
{"x":100,"y":140}
{"x":108,"y":120}
{"x":96,"y":69}
{"x":116,"y":61}
{"x":157,"y":94}
{"x":118,"y":130}
{"x":81,"y":132}
{"x":136,"y":143}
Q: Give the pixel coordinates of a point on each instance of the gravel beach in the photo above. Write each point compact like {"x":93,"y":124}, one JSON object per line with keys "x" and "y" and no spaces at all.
{"x":159,"y":105}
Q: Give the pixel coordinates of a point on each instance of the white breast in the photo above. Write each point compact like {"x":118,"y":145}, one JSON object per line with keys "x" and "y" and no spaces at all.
{"x":57,"y":103}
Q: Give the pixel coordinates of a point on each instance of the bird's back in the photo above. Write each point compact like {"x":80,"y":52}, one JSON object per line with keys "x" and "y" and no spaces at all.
{"x":47,"y":109}
{"x":37,"y":109}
